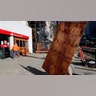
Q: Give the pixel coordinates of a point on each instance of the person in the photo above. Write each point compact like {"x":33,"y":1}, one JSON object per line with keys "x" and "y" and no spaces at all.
{"x":15,"y":50}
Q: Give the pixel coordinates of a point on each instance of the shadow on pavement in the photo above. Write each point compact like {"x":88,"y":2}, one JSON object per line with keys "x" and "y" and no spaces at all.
{"x":34,"y":70}
{"x":78,"y":63}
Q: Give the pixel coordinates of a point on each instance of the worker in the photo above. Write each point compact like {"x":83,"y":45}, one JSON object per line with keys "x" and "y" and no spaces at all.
{"x":15,"y":50}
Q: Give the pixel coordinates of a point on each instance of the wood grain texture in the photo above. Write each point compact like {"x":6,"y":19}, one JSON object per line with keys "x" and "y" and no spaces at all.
{"x":62,"y":49}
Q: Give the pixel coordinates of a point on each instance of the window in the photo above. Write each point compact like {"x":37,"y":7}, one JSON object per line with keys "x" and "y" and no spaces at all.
{"x":21,"y":42}
{"x":17,"y":41}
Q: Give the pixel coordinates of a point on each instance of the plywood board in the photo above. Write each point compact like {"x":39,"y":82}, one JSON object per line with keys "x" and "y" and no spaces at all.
{"x":62,"y":49}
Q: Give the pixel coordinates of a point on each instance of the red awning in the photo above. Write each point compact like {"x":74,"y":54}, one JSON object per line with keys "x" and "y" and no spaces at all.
{"x":9,"y":33}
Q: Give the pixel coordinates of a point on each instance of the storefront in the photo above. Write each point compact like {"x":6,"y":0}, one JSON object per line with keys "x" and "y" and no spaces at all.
{"x":4,"y":46}
{"x":15,"y":31}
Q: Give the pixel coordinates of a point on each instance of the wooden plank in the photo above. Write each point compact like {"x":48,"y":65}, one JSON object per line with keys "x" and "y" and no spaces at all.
{"x":39,"y":49}
{"x":62,"y":49}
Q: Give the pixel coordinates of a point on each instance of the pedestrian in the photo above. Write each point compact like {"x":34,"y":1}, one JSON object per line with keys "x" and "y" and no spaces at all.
{"x":15,"y":50}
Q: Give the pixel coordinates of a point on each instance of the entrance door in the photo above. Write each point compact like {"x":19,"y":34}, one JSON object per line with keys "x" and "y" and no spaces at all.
{"x":23,"y":44}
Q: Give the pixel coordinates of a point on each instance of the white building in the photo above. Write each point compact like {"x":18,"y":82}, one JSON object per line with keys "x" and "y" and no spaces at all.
{"x":16,"y":31}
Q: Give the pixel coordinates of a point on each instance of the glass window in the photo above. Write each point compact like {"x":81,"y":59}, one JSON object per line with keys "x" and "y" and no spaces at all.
{"x":26,"y":44}
{"x":20,"y":43}
{"x":23,"y":43}
{"x":17,"y":41}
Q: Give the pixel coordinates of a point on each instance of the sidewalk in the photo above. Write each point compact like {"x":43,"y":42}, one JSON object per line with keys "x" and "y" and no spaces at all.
{"x":38,"y":55}
{"x":32,"y":65}
{"x":24,"y":65}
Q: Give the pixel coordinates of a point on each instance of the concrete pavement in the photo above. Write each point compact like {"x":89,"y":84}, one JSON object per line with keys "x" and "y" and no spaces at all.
{"x":32,"y":65}
{"x":24,"y":65}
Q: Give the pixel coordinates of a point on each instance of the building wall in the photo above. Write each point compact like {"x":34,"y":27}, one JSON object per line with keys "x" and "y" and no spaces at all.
{"x":20,"y":28}
{"x":24,"y":22}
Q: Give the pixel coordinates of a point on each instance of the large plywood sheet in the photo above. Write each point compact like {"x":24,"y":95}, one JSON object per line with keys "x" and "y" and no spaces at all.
{"x":62,"y":49}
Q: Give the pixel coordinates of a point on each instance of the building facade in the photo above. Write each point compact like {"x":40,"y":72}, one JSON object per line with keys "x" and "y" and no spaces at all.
{"x":42,"y":32}
{"x":16,"y":31}
{"x":50,"y":29}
